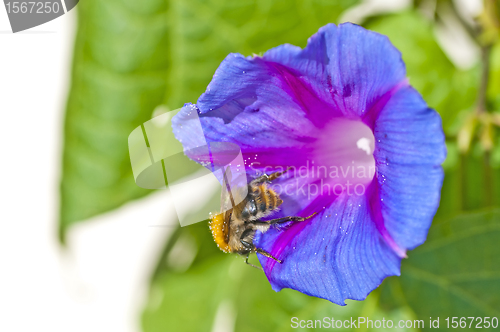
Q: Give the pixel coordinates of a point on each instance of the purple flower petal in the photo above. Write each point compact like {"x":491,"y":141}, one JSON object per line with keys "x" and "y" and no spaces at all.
{"x":349,"y":67}
{"x":410,"y":150}
{"x":338,"y":255}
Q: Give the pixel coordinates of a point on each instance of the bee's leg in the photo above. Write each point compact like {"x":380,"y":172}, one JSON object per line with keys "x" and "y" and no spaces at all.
{"x":251,"y":247}
{"x":270,"y":177}
{"x":246,"y":261}
{"x":284,"y":219}
{"x":266,"y":254}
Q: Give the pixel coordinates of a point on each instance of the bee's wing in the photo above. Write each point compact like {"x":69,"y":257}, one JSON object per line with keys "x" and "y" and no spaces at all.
{"x":232,"y":191}
{"x":226,"y":199}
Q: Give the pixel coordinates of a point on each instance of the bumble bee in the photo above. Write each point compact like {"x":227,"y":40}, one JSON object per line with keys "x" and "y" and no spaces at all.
{"x":234,"y":230}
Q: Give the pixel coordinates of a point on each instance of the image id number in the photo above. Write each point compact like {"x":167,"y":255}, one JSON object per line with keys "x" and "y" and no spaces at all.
{"x":33,"y":7}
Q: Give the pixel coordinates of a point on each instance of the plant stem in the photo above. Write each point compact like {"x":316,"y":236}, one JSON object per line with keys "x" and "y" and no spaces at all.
{"x":482,"y":108}
{"x":483,"y":84}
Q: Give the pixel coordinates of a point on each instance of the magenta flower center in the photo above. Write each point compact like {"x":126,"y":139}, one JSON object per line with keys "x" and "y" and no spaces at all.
{"x":343,"y":153}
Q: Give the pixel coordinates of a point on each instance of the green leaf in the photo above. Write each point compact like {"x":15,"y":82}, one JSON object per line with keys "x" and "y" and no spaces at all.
{"x":119,"y":76}
{"x":443,"y":86}
{"x":230,"y":293}
{"x":471,"y":182}
{"x":456,"y":273}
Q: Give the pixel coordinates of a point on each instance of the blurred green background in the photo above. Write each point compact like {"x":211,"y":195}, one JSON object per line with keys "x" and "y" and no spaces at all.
{"x":132,"y":56}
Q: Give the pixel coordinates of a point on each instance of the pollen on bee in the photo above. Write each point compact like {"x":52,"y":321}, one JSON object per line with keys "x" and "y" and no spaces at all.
{"x":218,"y":229}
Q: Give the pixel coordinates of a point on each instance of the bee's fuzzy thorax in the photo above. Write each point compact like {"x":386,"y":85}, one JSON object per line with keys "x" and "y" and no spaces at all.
{"x":219,"y":229}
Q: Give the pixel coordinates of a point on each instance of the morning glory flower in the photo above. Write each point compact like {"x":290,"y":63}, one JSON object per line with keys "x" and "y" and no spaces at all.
{"x":363,"y":148}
